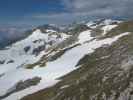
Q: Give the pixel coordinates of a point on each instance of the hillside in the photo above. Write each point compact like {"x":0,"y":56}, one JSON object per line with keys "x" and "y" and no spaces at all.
{"x":88,"y":61}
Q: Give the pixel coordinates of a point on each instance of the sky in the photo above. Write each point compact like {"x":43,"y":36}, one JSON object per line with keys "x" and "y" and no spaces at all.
{"x":37,"y":12}
{"x":16,"y":16}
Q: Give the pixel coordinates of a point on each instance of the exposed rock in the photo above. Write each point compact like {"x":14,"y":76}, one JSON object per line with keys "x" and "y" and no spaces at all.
{"x":22,"y":85}
{"x":2,"y":62}
{"x":26,"y":49}
{"x":36,"y":51}
{"x":10,"y":61}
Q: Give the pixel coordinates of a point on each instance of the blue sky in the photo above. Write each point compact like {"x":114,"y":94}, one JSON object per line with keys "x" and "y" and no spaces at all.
{"x":23,"y":14}
{"x":18,"y":11}
{"x":35,"y":12}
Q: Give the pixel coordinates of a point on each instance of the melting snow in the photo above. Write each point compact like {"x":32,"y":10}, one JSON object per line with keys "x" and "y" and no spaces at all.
{"x":107,"y":28}
{"x":65,"y":86}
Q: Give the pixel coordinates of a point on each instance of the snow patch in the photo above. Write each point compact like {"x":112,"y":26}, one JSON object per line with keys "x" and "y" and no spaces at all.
{"x":107,"y":28}
{"x":85,"y":36}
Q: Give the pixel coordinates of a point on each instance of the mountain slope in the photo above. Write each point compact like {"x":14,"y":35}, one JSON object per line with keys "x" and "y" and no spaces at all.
{"x":86,"y":62}
{"x":15,"y":57}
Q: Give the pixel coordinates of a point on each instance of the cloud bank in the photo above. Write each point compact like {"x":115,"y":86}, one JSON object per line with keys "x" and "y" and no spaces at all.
{"x":90,"y":9}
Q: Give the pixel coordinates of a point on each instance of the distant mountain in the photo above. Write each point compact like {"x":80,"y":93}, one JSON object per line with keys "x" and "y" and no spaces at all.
{"x":13,"y":34}
{"x":10,"y":35}
{"x":83,"y":61}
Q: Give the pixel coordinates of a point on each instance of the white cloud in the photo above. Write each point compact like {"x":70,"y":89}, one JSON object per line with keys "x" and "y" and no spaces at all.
{"x":107,"y":8}
{"x":86,"y":9}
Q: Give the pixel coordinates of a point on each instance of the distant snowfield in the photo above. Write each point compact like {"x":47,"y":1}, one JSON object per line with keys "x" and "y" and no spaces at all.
{"x":85,"y":36}
{"x":53,"y":70}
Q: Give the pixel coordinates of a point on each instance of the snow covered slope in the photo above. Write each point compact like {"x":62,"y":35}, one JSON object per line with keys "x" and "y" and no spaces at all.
{"x":39,"y":61}
{"x":29,"y":50}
